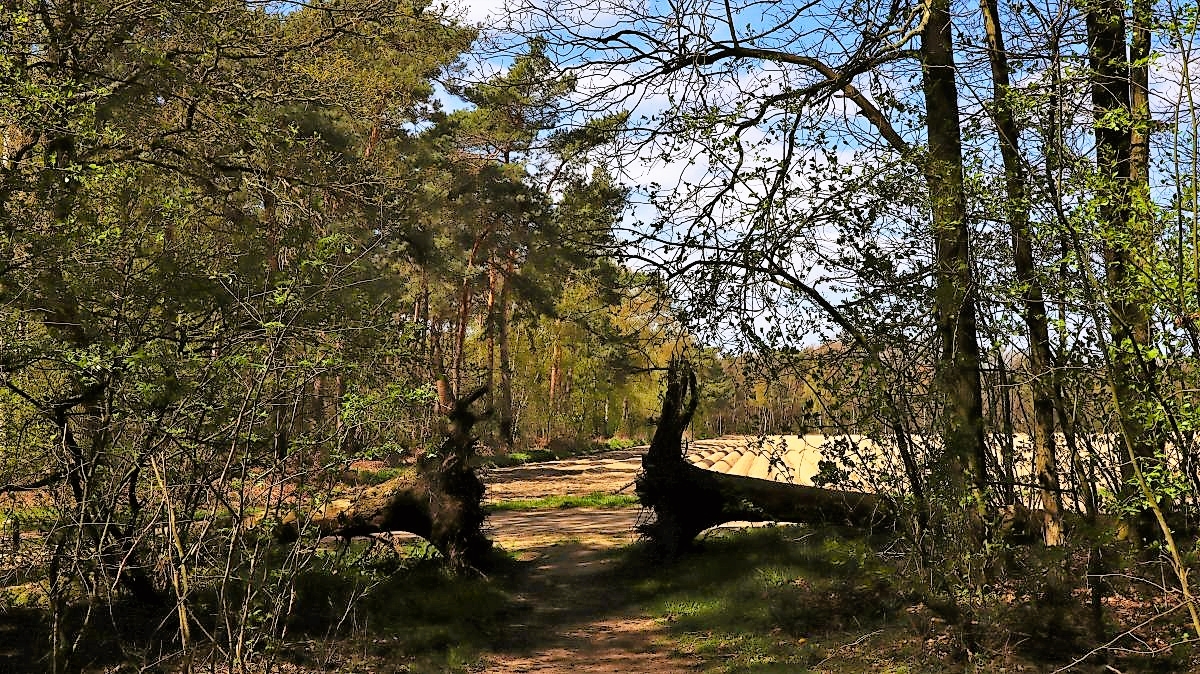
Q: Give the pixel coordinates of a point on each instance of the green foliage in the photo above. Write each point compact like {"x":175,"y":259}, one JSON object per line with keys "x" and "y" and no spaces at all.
{"x":375,"y":477}
{"x":195,"y":204}
{"x":243,"y":247}
{"x":620,"y":443}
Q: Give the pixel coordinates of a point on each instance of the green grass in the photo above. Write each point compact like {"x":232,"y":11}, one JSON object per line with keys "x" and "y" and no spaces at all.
{"x":406,"y":610}
{"x":516,"y":458}
{"x":596,"y":499}
{"x":622,"y":443}
{"x":559,"y":449}
{"x":31,"y":517}
{"x":375,"y":477}
{"x":781,"y":600}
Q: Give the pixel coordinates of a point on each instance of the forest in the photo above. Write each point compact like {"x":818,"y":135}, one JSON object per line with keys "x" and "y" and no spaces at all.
{"x":399,"y":336}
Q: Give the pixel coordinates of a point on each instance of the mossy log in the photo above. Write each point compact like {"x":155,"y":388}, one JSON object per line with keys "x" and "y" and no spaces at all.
{"x":443,"y":503}
{"x":687,"y":499}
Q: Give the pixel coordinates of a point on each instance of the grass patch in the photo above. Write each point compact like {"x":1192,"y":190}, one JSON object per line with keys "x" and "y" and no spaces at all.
{"x":597,"y":499}
{"x":619,"y":443}
{"x":557,"y":449}
{"x":31,"y":517}
{"x":515,"y":458}
{"x":378,"y":476}
{"x":403,"y":608}
{"x":783,"y":600}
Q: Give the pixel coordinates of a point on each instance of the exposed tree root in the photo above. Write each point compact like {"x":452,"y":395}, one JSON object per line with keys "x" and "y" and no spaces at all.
{"x":687,"y":499}
{"x":443,"y":504}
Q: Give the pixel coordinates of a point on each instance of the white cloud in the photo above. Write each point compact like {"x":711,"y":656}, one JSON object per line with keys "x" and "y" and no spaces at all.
{"x":481,"y":12}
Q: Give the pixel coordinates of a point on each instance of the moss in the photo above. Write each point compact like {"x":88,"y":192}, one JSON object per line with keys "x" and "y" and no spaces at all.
{"x":27,"y":595}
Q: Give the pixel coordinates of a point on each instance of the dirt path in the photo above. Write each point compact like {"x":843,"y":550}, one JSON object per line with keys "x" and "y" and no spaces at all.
{"x":576,"y":618}
{"x":596,"y":527}
{"x":611,"y":472}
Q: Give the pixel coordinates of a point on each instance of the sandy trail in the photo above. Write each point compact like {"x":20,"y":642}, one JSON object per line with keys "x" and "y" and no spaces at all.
{"x":610,"y":472}
{"x":576,"y":618}
{"x":597,"y":527}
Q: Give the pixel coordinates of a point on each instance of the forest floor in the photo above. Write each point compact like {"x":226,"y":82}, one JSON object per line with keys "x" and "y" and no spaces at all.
{"x":572,"y":590}
{"x":590,"y":602}
{"x":585,"y":598}
{"x":574,"y":619}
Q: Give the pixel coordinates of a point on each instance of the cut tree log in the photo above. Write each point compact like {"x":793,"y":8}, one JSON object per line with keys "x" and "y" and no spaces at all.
{"x":687,"y":499}
{"x":443,"y":504}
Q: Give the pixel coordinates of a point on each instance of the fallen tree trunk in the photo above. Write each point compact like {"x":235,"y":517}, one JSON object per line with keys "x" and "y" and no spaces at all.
{"x":443,"y":504}
{"x":687,"y":499}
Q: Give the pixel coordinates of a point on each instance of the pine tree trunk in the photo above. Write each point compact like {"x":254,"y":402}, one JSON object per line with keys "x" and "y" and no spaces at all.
{"x":490,"y":327}
{"x":552,"y":399}
{"x":504,"y":394}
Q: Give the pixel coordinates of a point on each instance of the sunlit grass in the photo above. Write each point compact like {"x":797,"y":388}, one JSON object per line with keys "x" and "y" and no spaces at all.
{"x":780,"y":600}
{"x":596,"y":499}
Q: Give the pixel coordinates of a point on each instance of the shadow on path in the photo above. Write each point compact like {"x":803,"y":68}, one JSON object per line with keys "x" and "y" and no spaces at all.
{"x":578,"y":617}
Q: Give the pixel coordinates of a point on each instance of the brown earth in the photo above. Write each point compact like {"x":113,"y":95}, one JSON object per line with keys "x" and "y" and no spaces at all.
{"x":577,"y":619}
{"x":611,"y":472}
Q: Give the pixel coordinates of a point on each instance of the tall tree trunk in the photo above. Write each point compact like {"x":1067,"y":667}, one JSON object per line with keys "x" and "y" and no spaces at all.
{"x":1130,"y":320}
{"x":625,"y":418}
{"x":339,"y":395}
{"x":504,"y":394}
{"x":954,"y":295}
{"x":421,"y":316}
{"x":445,"y":392}
{"x":555,"y":375}
{"x":1033,"y":304}
{"x":1007,"y":440}
{"x":464,"y":316}
{"x":460,"y":334}
{"x":490,"y":328}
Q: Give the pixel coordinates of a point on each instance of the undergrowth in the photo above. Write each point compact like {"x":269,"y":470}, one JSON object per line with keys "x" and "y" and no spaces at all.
{"x":775,"y":599}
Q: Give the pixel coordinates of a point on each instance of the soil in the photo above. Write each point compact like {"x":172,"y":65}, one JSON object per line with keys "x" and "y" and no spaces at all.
{"x":611,"y":472}
{"x":576,"y":619}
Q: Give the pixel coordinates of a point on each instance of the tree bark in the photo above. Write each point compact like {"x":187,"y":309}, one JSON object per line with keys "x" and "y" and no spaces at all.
{"x":687,"y":499}
{"x":555,"y":375}
{"x":464,"y":315}
{"x":1115,"y":155}
{"x":504,"y":405}
{"x":954,"y":295}
{"x":1033,"y":304}
{"x":489,"y":327}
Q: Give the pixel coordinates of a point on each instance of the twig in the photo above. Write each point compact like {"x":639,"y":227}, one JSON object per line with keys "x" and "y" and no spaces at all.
{"x":852,"y":644}
{"x":1122,"y":635}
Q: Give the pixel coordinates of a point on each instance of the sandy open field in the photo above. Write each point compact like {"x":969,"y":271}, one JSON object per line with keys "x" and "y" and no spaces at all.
{"x":785,"y":458}
{"x":865,"y":465}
